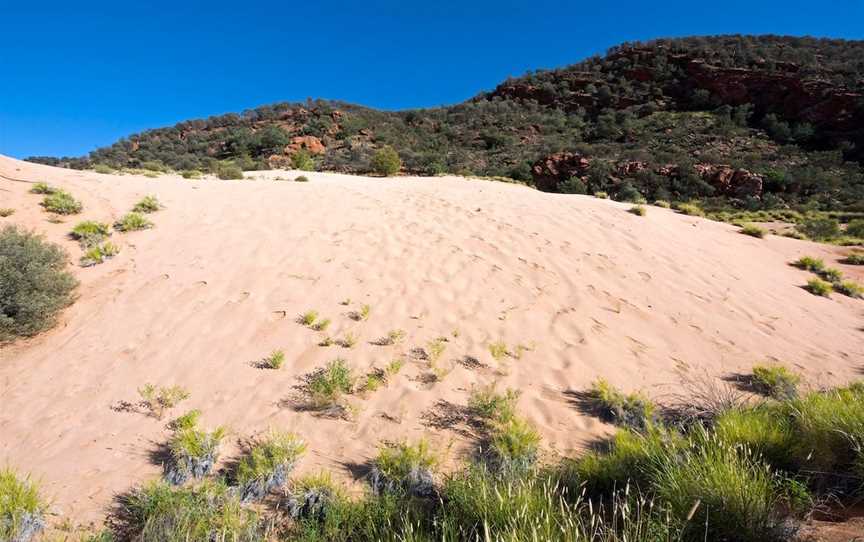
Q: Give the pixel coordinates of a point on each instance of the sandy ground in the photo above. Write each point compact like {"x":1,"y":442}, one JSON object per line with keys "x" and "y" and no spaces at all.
{"x":218,"y":283}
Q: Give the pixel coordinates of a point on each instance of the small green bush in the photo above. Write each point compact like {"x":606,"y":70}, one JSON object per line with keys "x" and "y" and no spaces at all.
{"x":158,"y":399}
{"x":573,"y":185}
{"x":630,"y":410}
{"x":301,"y":179}
{"x":90,"y":233}
{"x":855,"y":228}
{"x":22,"y":511}
{"x":775,"y":381}
{"x":487,"y":403}
{"x":830,"y":274}
{"x":662,"y":203}
{"x":193,"y":453}
{"x":637,"y":210}
{"x":308,"y":318}
{"x":62,"y":203}
{"x":42,"y":188}
{"x":819,"y":287}
{"x":404,"y":467}
{"x":601,"y":195}
{"x":105,"y":169}
{"x":498,"y":350}
{"x":854,"y":258}
{"x":147,"y":204}
{"x":849,"y":288}
{"x":690,"y":209}
{"x":132,"y":222}
{"x":386,"y":161}
{"x":327,"y":386}
{"x":34,"y":283}
{"x":753,"y":231}
{"x":154,"y":165}
{"x":158,"y":512}
{"x":302,"y":160}
{"x":274,"y":361}
{"x":191,"y":174}
{"x":819,"y":228}
{"x":513,"y":446}
{"x":268,"y":464}
{"x":229,"y":171}
{"x":808,"y":263}
{"x":6,"y":211}
{"x":98,"y":254}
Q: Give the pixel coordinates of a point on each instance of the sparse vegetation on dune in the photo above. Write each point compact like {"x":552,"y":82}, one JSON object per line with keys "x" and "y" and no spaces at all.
{"x":274,"y":361}
{"x":775,"y":381}
{"x":854,"y":258}
{"x":6,"y":212}
{"x":690,"y":209}
{"x":147,"y":204}
{"x":158,"y":399}
{"x":632,"y":410}
{"x":327,"y":386}
{"x":22,"y":510}
{"x":638,"y":210}
{"x":99,"y":253}
{"x":62,"y":203}
{"x":809,"y":263}
{"x":753,"y":231}
{"x":268,"y":463}
{"x":42,"y":188}
{"x":132,"y":222}
{"x":194,"y":452}
{"x":34,"y":283}
{"x":819,"y":287}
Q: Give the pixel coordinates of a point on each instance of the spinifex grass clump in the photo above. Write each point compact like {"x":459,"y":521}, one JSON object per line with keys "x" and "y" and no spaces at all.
{"x":775,"y":381}
{"x":132,"y":222}
{"x":22,"y":511}
{"x":809,"y":263}
{"x":831,"y":274}
{"x":638,"y":210}
{"x":193,"y":453}
{"x":394,"y":336}
{"x":753,"y":231}
{"x":158,"y":399}
{"x":855,"y":258}
{"x":308,"y":318}
{"x":99,"y":253}
{"x":209,"y":511}
{"x":487,"y":403}
{"x":90,"y":233}
{"x":327,"y":386}
{"x":312,"y":497}
{"x":765,"y":430}
{"x":274,"y":361}
{"x":147,"y":204}
{"x":268,"y":464}
{"x":42,"y":188}
{"x":849,"y":288}
{"x":62,"y":203}
{"x":629,"y":410}
{"x":34,"y":283}
{"x":381,"y":377}
{"x":404,"y":468}
{"x":819,"y":287}
{"x":690,"y":209}
{"x":513,"y":446}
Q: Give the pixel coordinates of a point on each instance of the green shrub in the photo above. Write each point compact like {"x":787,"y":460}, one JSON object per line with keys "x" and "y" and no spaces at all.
{"x":487,"y":403}
{"x":498,"y":350}
{"x":386,"y":161}
{"x":830,"y":274}
{"x":193,"y":453}
{"x":185,"y":421}
{"x":850,"y":288}
{"x":301,"y":179}
{"x":268,"y":464}
{"x":147,"y":204}
{"x":662,"y":203}
{"x":154,"y":165}
{"x":6,"y":212}
{"x":308,"y":318}
{"x":775,"y":381}
{"x":690,"y":209}
{"x":191,"y":174}
{"x":630,"y":410}
{"x":158,"y":512}
{"x":42,"y":188}
{"x":158,"y":399}
{"x":601,"y":195}
{"x":132,"y":222}
{"x":61,"y":203}
{"x":327,"y":386}
{"x":808,"y":263}
{"x":22,"y":511}
{"x":90,"y":233}
{"x":513,"y":446}
{"x":98,"y":254}
{"x":103,"y":168}
{"x":819,"y":287}
{"x":724,"y":485}
{"x":573,"y":185}
{"x":302,"y":160}
{"x":34,"y":283}
{"x":637,"y":210}
{"x":753,"y":231}
{"x":819,"y":228}
{"x":274,"y":361}
{"x":855,"y":228}
{"x":228,"y":171}
{"x":854,"y":258}
{"x":404,"y":467}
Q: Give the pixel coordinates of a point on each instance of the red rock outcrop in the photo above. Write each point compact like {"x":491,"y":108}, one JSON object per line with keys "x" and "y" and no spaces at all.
{"x":311,"y":144}
{"x":555,"y":168}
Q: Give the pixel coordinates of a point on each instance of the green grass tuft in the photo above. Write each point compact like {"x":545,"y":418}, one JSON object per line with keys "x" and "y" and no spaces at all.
{"x":809,"y":263}
{"x":854,"y":258}
{"x":62,"y":203}
{"x":132,"y":222}
{"x":690,"y":209}
{"x":274,"y":361}
{"x":147,"y":204}
{"x":42,"y":188}
{"x":753,"y":231}
{"x":158,"y":399}
{"x":662,"y":203}
{"x":404,"y":467}
{"x":849,"y":288}
{"x":22,"y":511}
{"x":819,"y":287}
{"x":268,"y":464}
{"x":327,"y":386}
{"x":637,"y":210}
{"x":629,"y":410}
{"x":308,"y":318}
{"x":775,"y":381}
{"x":487,"y":403}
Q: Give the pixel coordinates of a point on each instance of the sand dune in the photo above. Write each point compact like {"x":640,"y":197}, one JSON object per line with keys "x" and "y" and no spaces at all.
{"x":590,"y":289}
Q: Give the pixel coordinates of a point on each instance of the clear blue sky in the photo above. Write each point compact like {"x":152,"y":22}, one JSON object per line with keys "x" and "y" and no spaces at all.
{"x":78,"y":75}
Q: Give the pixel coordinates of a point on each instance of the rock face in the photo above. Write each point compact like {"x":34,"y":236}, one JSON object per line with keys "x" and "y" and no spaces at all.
{"x":309,"y":143}
{"x":728,"y":181}
{"x":555,"y":168}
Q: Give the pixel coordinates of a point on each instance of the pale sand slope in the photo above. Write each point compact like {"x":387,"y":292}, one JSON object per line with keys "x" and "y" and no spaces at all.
{"x":218,"y":283}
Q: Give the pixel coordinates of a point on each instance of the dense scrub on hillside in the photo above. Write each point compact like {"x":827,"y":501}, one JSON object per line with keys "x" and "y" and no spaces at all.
{"x":659,"y":117}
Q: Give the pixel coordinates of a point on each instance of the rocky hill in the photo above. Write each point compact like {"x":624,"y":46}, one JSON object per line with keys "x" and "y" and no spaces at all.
{"x":749,"y":121}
